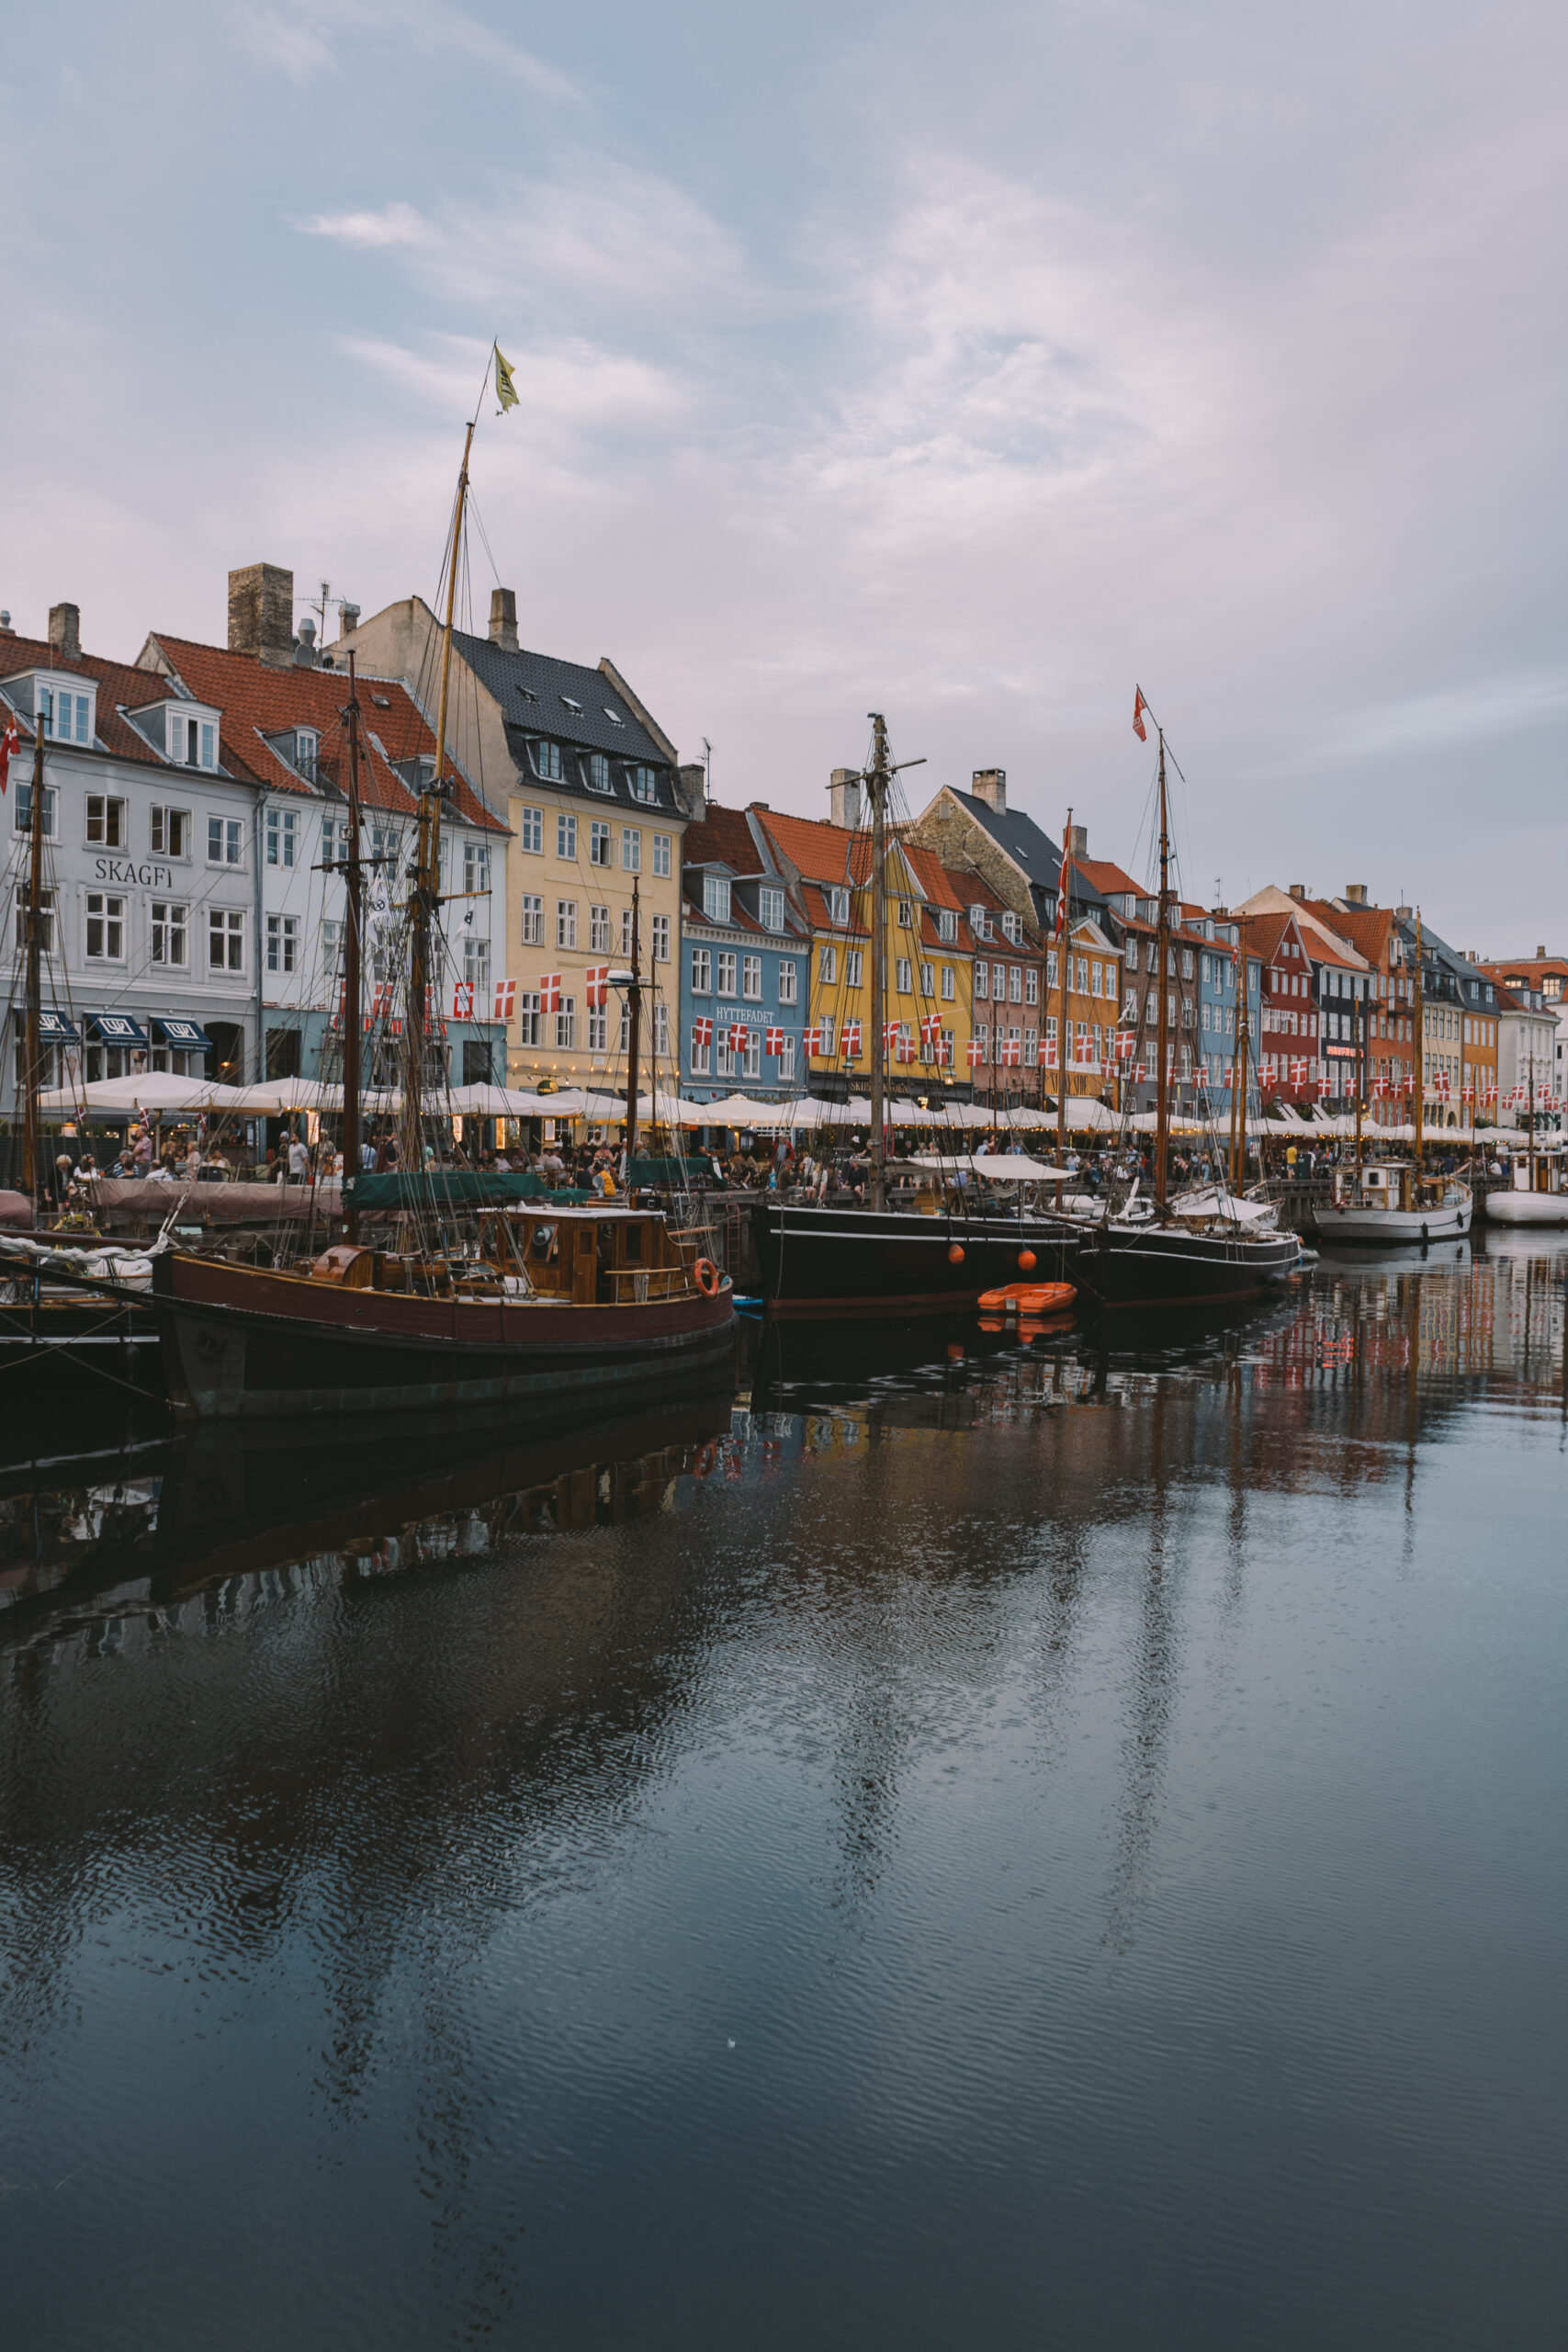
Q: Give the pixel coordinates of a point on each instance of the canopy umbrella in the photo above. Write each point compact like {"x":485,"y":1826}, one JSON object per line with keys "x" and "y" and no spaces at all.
{"x":151,"y":1090}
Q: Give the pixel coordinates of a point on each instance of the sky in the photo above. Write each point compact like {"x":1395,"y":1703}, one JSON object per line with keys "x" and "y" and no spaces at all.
{"x":966,"y":364}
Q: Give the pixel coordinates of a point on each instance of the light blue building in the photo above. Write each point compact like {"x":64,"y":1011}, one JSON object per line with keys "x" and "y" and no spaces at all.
{"x":1217,"y":1006}
{"x":745,"y":966}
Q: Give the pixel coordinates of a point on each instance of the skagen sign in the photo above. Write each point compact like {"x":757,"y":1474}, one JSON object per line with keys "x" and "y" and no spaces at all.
{"x":126,"y":869}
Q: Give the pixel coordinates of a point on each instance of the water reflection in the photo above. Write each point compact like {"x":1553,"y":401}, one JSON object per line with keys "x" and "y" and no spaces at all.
{"x":801,"y":1836}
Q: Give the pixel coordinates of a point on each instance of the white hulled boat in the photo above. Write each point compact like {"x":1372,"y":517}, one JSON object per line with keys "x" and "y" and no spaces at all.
{"x":1389,"y":1200}
{"x":1539,"y":1193}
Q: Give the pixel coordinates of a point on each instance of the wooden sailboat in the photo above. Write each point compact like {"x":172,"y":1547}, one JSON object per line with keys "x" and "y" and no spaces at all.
{"x":882,"y":1260}
{"x":1168,"y":1259}
{"x":1392,"y":1201}
{"x":485,"y":1303}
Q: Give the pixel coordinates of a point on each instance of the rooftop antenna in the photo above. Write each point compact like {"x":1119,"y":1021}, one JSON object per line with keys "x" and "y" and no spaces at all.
{"x":708,"y":769}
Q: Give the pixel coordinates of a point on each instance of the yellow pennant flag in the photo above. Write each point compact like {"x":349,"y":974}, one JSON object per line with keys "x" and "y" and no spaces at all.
{"x":505,"y":389}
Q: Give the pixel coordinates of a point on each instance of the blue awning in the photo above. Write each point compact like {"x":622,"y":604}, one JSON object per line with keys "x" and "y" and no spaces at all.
{"x":188,"y":1036}
{"x":53,"y":1027}
{"x":116,"y":1028}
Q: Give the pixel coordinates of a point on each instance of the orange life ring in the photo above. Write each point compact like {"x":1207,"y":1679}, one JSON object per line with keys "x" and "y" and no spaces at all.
{"x":708,"y":1279}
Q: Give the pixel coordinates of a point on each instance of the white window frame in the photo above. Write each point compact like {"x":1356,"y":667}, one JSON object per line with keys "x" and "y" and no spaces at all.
{"x":789,"y":980}
{"x":702,"y":972}
{"x":230,"y":849}
{"x":171,"y":929}
{"x":228,"y":924}
{"x":565,"y":836}
{"x":107,"y":910}
{"x":533,"y":920}
{"x":111,"y":820}
{"x":566,"y":922}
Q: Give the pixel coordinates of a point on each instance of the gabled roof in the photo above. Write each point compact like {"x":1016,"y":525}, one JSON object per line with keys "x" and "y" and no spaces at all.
{"x":118,"y":683}
{"x":566,"y":700}
{"x":1368,"y":929}
{"x":821,"y":851}
{"x":1032,"y":852}
{"x":258,"y":698}
{"x":722,"y":837}
{"x":1529,"y":970}
{"x":1111,"y":880}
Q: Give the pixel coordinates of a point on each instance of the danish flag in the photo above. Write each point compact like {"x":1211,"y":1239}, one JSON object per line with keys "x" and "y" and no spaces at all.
{"x":701,"y":1033}
{"x":813,"y":1039}
{"x":1299,"y":1070}
{"x":1491,"y":1095}
{"x":1064,"y":887}
{"x":774,"y":1042}
{"x":931,"y":1028}
{"x":462,"y":1001}
{"x":944,"y":1053}
{"x":1466,"y":1094}
{"x":1012,"y":1054}
{"x":549,"y":992}
{"x":740,"y":1038}
{"x":1125,"y":1042}
{"x":1140,"y":1074}
{"x":381,"y":998}
{"x":849,"y":1043}
{"x":892,"y":1031}
{"x":597,"y":986}
{"x":1379,"y":1088}
{"x":976,"y":1053}
{"x":1048,"y":1054}
{"x":905,"y":1048}
{"x":10,"y":743}
{"x":1139,"y":707}
{"x":505,"y":999}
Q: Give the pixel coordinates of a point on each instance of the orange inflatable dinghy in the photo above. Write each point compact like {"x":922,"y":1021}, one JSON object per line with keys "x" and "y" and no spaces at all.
{"x":1029,"y":1298}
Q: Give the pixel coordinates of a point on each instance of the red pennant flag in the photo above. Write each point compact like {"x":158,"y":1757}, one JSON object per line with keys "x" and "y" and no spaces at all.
{"x":462,"y":999}
{"x":597,"y":986}
{"x":1012,"y":1054}
{"x":850,"y":1043}
{"x":1139,"y":707}
{"x":702,"y":1034}
{"x":931,"y":1028}
{"x":9,"y":742}
{"x":1125,"y":1043}
{"x":740,"y":1036}
{"x":976,"y":1053}
{"x":813,"y":1040}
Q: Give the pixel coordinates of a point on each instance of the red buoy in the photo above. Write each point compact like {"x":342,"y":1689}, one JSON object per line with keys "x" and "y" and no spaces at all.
{"x":1026,"y":1260}
{"x":955,"y":1255}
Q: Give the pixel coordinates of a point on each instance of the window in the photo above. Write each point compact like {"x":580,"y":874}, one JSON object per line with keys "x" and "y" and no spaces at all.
{"x":566,"y":839}
{"x":599,"y":840}
{"x":169,"y":933}
{"x":661,"y":1030}
{"x":977,"y":920}
{"x":905,"y":976}
{"x":530,"y":831}
{"x":947,"y":927}
{"x":225,"y":940}
{"x":702,"y":971}
{"x":565,"y":1025}
{"x":725,"y":975}
{"x":280,"y":831}
{"x":702,"y":1033}
{"x":752,"y":1065}
{"x":105,"y":927}
{"x":982,"y":980}
{"x":546,"y":765}
{"x":46,"y":921}
{"x":827,"y":965}
{"x":644,"y":783}
{"x":566,"y":922}
{"x":307,"y":743}
{"x":596,"y":772}
{"x":1094,"y":979}
{"x":928,"y":979}
{"x":827,"y":1028}
{"x":631,"y":849}
{"x":336,"y":841}
{"x":906,"y":914}
{"x":192,"y":741}
{"x":106,"y":820}
{"x":789,"y":980}
{"x":837,"y":906}
{"x":24,"y":808}
{"x":1015,"y":984}
{"x":171,"y":833}
{"x":1032,"y":985}
{"x":715,"y":898}
{"x":662,"y":939}
{"x":1186,"y":963}
{"x":66,"y":716}
{"x":1050,"y":967}
{"x":947,"y":990}
{"x":627,"y":933}
{"x":282,"y":942}
{"x":529,"y":1017}
{"x":1000,"y":983}
{"x":662,"y":854}
{"x":225,"y":841}
{"x":751,"y":979}
{"x":1132,"y":954}
{"x":1080,"y":978}
{"x":786,"y":1058}
{"x":598,"y":1029}
{"x":983,"y":1039}
{"x":599,"y":931}
{"x":1012,"y":929}
{"x":1205,"y":1017}
{"x":476,"y":866}
{"x":853,"y":967}
{"x":771,"y":908}
{"x":533,"y":920}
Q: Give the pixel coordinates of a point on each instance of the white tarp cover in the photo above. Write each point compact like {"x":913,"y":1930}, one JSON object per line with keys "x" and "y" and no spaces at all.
{"x":152,"y":1089}
{"x":1001,"y":1167}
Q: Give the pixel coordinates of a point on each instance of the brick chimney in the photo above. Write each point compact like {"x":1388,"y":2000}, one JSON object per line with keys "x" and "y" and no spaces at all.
{"x":1077,"y":842}
{"x":503,"y":618}
{"x":1298,"y":891}
{"x":990,"y":785}
{"x":843,"y":798}
{"x":1356,"y":894}
{"x":260,"y":612}
{"x":695,"y":789}
{"x":65,"y":632}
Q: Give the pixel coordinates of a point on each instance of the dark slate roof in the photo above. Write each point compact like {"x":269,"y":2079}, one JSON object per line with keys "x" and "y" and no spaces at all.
{"x":513,"y":678}
{"x":1034,"y":852}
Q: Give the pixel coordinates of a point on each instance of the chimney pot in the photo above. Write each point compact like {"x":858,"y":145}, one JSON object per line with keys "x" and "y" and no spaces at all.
{"x":1298,"y":891}
{"x":990,"y":785}
{"x":843,"y":798}
{"x":1356,"y":892}
{"x":348,"y":620}
{"x":503,"y":618}
{"x":5,"y":629}
{"x":305,"y":650}
{"x":65,"y":631}
{"x":260,"y":612}
{"x":1540,"y":952}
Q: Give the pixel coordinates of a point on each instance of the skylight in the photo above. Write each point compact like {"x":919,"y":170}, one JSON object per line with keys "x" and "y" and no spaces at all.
{"x":613,"y":717}
{"x":382,"y":702}
{"x":527,"y":694}
{"x":571,"y":703}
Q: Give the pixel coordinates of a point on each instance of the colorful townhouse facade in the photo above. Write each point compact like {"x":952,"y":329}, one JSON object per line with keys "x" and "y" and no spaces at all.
{"x":745,"y":962}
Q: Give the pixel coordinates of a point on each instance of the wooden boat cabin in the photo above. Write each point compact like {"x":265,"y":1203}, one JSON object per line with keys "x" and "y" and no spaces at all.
{"x":611,"y":1256}
{"x":1394,"y":1184}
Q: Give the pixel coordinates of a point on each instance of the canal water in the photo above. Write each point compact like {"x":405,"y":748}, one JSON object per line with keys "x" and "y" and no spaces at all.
{"x":943,"y":1841}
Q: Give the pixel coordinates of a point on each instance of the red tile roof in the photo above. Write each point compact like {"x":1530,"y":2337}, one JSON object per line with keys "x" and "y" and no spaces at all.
{"x":117,"y":683}
{"x":722,"y":837}
{"x":1111,"y":880}
{"x":822,"y":851}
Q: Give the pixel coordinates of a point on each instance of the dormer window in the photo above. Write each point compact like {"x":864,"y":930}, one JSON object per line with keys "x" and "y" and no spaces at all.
{"x":190,"y":742}
{"x":571,"y":703}
{"x":613,"y":717}
{"x":771,"y":908}
{"x":66,"y":713}
{"x":947,"y":927}
{"x":1013,"y":927}
{"x":596,"y":772}
{"x":837,"y":906}
{"x":547,"y":762}
{"x":977,"y":923}
{"x":644,"y":783}
{"x":307,"y":748}
{"x":906,"y":914}
{"x":715,"y":898}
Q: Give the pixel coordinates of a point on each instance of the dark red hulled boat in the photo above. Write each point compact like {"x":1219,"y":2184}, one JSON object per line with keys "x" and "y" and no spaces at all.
{"x":564,"y":1303}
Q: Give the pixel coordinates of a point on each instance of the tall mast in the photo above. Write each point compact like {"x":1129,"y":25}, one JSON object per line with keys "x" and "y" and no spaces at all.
{"x":1420,"y":1049}
{"x":1360,"y":1074}
{"x":1529,"y":1148}
{"x":352,"y":984}
{"x":878,"y":782}
{"x":1162,"y":956}
{"x":32,"y":1048}
{"x":633,"y":1012}
{"x":1238,"y":1092}
{"x":1064,"y":947}
{"x":425,"y":897}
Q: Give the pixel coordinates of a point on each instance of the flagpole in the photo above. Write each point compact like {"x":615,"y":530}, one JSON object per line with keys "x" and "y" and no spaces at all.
{"x":1064,"y":942}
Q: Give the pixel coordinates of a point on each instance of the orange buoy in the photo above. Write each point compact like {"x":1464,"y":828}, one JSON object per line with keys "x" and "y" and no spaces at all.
{"x":1027,"y":1261}
{"x":955,"y":1255}
{"x":955,"y":1351}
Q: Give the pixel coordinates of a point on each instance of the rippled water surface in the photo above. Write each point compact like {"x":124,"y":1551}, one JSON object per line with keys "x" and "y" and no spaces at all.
{"x":950,"y":1843}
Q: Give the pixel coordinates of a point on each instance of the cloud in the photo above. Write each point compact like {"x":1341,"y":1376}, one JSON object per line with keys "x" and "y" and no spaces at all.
{"x":392,"y":225}
{"x":294,"y":49}
{"x":1457,"y":717}
{"x":424,"y":28}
